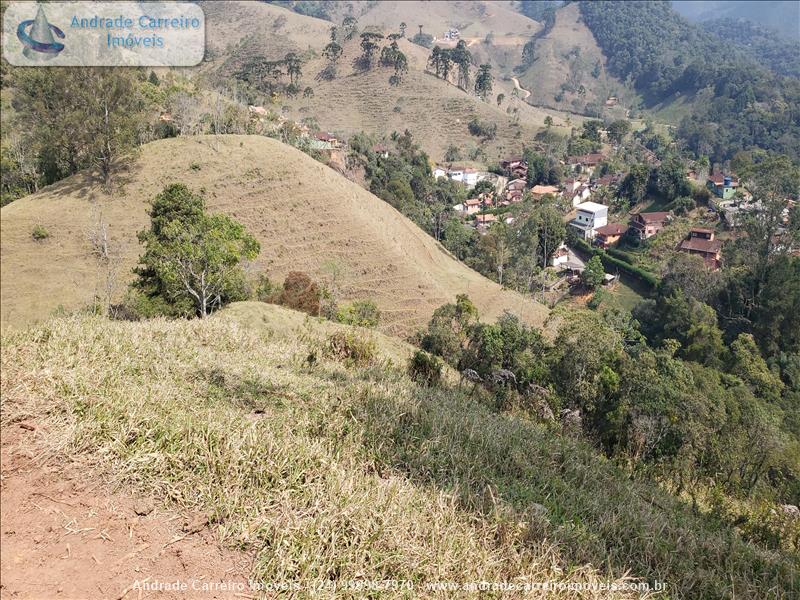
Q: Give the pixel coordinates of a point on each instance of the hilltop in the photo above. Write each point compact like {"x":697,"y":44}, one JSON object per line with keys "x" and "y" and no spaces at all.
{"x":303,"y":213}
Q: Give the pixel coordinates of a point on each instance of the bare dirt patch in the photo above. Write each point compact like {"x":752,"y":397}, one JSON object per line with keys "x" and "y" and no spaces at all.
{"x":65,"y":536}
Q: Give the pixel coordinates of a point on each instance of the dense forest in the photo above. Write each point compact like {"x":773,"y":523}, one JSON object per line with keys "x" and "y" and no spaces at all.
{"x":739,"y":104}
{"x":780,"y":55}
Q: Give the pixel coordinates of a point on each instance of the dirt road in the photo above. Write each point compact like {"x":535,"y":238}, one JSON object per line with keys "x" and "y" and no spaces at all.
{"x":66,"y":536}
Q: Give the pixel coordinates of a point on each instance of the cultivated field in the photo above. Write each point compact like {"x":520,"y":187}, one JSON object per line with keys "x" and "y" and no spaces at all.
{"x":305,"y":215}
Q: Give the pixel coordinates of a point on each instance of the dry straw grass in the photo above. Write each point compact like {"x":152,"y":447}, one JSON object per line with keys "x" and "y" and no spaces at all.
{"x":326,"y":471}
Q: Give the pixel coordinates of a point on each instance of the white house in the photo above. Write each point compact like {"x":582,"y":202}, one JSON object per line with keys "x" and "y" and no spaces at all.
{"x":466,"y":175}
{"x":590,"y":216}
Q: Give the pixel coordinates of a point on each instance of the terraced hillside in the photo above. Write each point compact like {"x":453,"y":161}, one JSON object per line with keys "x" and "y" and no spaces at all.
{"x":303,"y":213}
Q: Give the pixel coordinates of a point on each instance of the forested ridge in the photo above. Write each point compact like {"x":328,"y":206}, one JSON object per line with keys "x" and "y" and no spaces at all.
{"x":744,"y":105}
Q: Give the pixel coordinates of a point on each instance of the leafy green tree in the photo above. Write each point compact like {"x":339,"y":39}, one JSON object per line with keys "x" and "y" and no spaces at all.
{"x":462,"y":58}
{"x":153,"y":78}
{"x":747,"y":363}
{"x":78,"y":118}
{"x":618,"y":130}
{"x":458,"y":238}
{"x":496,"y":246}
{"x":449,"y":329}
{"x":670,"y":180}
{"x":594,"y":273}
{"x":591,"y":130}
{"x":192,"y":259}
{"x":634,"y":185}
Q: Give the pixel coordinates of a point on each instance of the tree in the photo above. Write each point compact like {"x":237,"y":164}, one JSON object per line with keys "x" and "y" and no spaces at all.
{"x":76,"y":118}
{"x":670,"y":180}
{"x":301,"y":293}
{"x":593,"y":274}
{"x":463,"y":59}
{"x":403,"y":29}
{"x":591,"y":130}
{"x":449,"y":329}
{"x":500,"y":98}
{"x":548,"y":121}
{"x":369,"y":45}
{"x":435,"y":60}
{"x":483,"y":81}
{"x":153,"y":78}
{"x":634,"y":186}
{"x":192,"y":260}
{"x":293,"y":67}
{"x":618,"y":130}
{"x":496,"y":245}
{"x":350,"y":26}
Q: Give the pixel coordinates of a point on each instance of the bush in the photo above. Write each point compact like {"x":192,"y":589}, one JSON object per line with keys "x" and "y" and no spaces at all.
{"x":300,"y":293}
{"x":610,"y":261}
{"x":266,"y":290}
{"x":39,"y":233}
{"x":362,"y":313}
{"x":425,"y":368}
{"x":481,"y":129}
{"x":351,"y":348}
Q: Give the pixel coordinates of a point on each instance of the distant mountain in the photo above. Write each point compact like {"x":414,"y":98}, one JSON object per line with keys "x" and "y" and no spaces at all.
{"x":780,"y":16}
{"x":730,"y":100}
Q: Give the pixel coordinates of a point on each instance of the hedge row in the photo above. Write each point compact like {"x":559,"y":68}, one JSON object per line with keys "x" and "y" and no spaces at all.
{"x":612,"y":260}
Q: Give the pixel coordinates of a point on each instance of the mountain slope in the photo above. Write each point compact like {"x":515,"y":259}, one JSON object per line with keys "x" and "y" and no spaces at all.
{"x":568,"y":71}
{"x":325,"y":471}
{"x":435,"y":111}
{"x":303,"y":213}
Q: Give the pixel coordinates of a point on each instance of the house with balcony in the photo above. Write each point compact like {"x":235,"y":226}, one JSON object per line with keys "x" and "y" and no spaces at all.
{"x":589,"y":217}
{"x":645,"y":225}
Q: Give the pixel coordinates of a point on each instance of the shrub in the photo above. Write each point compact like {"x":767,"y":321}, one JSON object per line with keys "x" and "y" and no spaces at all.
{"x":195,"y":166}
{"x":39,"y":233}
{"x":481,"y":129}
{"x":425,"y":368}
{"x":266,"y":290}
{"x":362,"y":313}
{"x":351,"y":348}
{"x":300,"y":293}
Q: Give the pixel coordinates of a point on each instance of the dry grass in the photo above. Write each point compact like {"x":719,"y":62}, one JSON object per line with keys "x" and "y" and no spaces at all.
{"x":436,"y":112}
{"x":327,"y":472}
{"x":303,"y":213}
{"x":209,"y":416}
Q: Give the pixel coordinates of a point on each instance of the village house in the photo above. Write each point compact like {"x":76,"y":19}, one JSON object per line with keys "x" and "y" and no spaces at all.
{"x":609,"y":235}
{"x":540,"y":191}
{"x":701,"y":242}
{"x":483,"y":222}
{"x":608,"y":180}
{"x":722,"y":186}
{"x":577,"y":190}
{"x":466,"y":175}
{"x":590,"y":216}
{"x":560,"y":256}
{"x":646,"y":224}
{"x":516,"y":167}
{"x":587,"y":162}
{"x":381,"y":150}
{"x":324,"y":140}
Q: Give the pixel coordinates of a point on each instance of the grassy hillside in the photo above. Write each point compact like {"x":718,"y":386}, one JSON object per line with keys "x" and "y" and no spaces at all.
{"x":328,"y":470}
{"x":435,"y":111}
{"x":303,"y":213}
{"x":569,"y":55}
{"x":472,"y":19}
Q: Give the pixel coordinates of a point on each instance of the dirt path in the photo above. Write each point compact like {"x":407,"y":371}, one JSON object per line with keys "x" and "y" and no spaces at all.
{"x":522,"y":89}
{"x":64,"y":536}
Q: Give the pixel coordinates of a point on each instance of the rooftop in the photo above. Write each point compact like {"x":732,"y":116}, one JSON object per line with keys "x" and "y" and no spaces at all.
{"x":591,"y":207}
{"x":701,"y":245}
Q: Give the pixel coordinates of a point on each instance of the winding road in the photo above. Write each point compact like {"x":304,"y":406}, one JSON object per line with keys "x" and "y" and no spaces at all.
{"x":522,"y":89}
